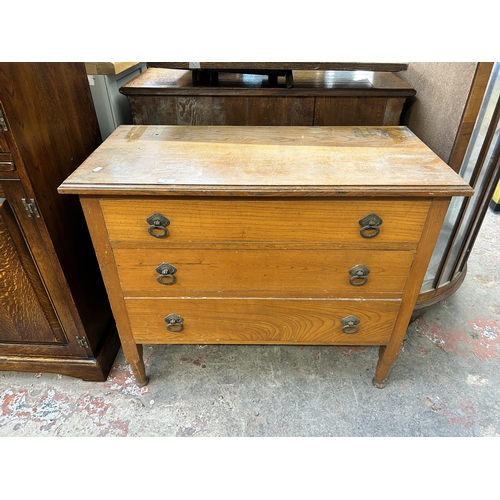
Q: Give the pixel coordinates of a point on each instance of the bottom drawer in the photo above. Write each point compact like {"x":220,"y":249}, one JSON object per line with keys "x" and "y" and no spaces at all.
{"x":262,"y":321}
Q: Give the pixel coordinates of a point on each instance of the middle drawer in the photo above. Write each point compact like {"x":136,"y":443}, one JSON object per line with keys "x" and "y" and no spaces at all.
{"x":262,"y":273}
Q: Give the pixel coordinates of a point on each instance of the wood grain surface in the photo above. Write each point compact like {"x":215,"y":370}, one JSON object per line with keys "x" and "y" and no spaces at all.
{"x":24,"y":301}
{"x":308,"y":83}
{"x":222,"y":110}
{"x":275,"y":111}
{"x":262,"y":273}
{"x":271,"y":222}
{"x":319,"y":98}
{"x":262,"y":321}
{"x":281,"y":161}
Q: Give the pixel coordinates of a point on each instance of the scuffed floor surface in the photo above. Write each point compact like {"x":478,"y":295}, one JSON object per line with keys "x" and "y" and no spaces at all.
{"x":446,"y":382}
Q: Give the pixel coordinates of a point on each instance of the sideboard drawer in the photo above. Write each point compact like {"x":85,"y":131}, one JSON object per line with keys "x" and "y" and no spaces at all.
{"x":261,"y":273}
{"x":263,"y":221}
{"x":262,"y":321}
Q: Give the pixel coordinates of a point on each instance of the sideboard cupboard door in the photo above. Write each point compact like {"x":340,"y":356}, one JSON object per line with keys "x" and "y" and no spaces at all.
{"x":29,"y":286}
{"x":26,"y":314}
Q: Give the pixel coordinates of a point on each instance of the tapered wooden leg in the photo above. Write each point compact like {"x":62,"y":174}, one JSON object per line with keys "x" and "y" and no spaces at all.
{"x":387,"y":355}
{"x":107,"y":264}
{"x":133,"y":354}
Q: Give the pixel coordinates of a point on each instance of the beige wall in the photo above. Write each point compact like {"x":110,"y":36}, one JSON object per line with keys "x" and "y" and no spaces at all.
{"x":435,"y":112}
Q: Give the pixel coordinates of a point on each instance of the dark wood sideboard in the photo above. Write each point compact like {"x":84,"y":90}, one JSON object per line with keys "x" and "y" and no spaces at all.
{"x":166,"y":96}
{"x":54,"y":311}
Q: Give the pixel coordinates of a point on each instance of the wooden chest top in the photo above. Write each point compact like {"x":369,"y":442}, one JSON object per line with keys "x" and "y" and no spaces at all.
{"x":264,"y":161}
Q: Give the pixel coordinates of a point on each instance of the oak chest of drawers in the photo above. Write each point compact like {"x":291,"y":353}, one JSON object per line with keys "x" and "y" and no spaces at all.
{"x":264,"y":235}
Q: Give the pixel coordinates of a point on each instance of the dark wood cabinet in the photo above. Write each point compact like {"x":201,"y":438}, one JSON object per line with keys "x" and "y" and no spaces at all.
{"x":54,"y":311}
{"x":161,"y":96}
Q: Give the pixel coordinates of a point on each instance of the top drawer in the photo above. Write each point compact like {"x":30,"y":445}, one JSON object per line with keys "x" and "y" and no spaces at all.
{"x":239,"y":221}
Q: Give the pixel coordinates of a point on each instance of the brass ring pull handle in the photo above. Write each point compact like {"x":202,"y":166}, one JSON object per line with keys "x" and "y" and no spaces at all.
{"x":350,"y":324}
{"x":358,"y":275}
{"x":370,"y":226}
{"x":166,"y":274}
{"x":157,"y":225}
{"x":174,"y":322}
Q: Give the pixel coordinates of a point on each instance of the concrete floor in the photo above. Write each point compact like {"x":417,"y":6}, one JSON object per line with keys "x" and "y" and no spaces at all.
{"x":446,"y":382}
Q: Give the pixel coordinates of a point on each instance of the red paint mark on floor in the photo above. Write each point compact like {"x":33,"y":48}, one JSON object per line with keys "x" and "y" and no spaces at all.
{"x":116,"y":428}
{"x":12,"y":405}
{"x":53,"y":408}
{"x":447,"y":340}
{"x":95,"y":407}
{"x":483,"y":340}
{"x":489,"y":338}
{"x":122,"y":380}
{"x":48,"y":409}
{"x":198,"y":361}
{"x":460,"y":415}
{"x":349,"y":349}
{"x":423,"y":350}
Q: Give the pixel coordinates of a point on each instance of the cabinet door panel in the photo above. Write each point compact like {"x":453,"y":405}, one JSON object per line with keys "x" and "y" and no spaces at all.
{"x":26,"y":314}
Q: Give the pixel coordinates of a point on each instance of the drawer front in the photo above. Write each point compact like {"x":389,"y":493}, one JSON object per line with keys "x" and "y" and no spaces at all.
{"x":262,"y":321}
{"x":266,"y":222}
{"x":262,"y":273}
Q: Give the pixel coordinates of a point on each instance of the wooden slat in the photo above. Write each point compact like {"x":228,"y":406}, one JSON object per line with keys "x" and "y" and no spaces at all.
{"x":470,"y":115}
{"x":262,"y":321}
